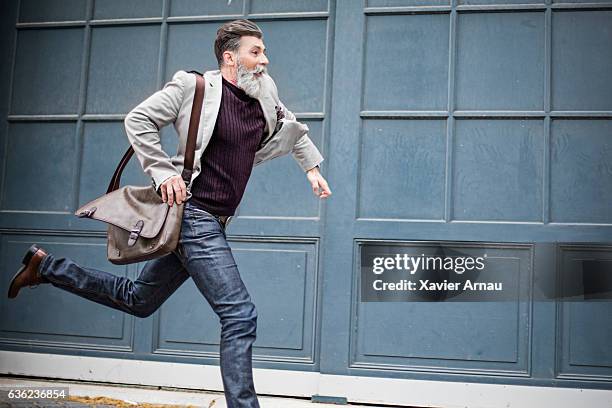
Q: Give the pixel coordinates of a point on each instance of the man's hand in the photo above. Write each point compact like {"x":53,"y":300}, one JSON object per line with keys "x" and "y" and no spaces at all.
{"x":173,"y":189}
{"x":319,"y":185}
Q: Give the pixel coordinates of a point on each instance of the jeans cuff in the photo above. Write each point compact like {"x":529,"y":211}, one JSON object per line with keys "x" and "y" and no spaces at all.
{"x":44,"y":265}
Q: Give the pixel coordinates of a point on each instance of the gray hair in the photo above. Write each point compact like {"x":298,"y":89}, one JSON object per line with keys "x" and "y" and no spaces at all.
{"x":228,"y":36}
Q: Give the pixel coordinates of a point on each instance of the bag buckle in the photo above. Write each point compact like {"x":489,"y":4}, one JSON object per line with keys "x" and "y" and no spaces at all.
{"x":135,"y":232}
{"x":87,"y":213}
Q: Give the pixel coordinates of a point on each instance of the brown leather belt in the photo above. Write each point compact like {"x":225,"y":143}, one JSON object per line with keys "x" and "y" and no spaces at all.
{"x":223,"y":219}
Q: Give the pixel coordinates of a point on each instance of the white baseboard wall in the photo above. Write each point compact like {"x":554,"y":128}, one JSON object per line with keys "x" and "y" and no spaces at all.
{"x":374,"y":390}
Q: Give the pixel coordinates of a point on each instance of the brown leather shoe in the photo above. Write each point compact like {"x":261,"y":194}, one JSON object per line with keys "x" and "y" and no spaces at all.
{"x":28,"y":275}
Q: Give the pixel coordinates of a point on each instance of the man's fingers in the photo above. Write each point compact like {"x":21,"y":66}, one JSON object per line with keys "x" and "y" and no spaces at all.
{"x":325,"y":187}
{"x":320,"y":187}
{"x":183,"y":191}
{"x":174,"y":190}
{"x":178,"y":192}
{"x":315,"y":187}
{"x":170,"y":192}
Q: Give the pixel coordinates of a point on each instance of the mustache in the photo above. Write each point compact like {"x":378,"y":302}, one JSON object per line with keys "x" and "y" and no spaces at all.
{"x":257,"y":70}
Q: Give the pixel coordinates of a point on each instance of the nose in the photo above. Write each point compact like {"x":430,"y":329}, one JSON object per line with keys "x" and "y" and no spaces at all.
{"x":264,"y":59}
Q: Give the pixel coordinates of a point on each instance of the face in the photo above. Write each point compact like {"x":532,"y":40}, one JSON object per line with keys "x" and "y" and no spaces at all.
{"x":252,"y":53}
{"x":248,"y":64}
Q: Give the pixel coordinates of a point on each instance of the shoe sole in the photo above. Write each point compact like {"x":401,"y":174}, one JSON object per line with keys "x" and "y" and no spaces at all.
{"x":26,"y":259}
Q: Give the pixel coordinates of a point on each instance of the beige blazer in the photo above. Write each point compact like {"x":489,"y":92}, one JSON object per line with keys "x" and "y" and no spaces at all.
{"x":172,"y":104}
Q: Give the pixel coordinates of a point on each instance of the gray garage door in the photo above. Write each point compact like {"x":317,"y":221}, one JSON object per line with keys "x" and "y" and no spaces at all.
{"x":480,"y":124}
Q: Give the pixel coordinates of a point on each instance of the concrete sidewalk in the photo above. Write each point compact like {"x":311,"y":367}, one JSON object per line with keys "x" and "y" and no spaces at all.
{"x":140,"y":396}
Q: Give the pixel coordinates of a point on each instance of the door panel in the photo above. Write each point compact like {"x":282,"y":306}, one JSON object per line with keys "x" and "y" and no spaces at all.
{"x":481,"y":125}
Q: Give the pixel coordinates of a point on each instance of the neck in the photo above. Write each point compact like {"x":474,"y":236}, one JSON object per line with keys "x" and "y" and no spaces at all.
{"x":229,"y":75}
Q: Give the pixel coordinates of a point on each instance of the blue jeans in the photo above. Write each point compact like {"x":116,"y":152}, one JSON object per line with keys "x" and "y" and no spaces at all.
{"x":202,"y":254}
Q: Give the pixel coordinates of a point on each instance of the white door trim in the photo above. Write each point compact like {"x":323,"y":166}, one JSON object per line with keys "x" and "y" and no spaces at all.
{"x":375,"y":390}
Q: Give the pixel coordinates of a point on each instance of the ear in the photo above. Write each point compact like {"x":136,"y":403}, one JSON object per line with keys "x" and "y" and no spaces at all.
{"x":229,"y":58}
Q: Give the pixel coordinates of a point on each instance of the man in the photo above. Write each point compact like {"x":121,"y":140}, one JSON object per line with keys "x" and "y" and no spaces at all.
{"x":243,"y":124}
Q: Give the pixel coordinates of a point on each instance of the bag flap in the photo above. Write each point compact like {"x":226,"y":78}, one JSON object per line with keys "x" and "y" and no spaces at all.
{"x":126,"y":206}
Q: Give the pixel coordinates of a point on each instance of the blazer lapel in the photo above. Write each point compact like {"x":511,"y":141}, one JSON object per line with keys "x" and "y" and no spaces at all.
{"x":267,"y":105}
{"x":212,"y":103}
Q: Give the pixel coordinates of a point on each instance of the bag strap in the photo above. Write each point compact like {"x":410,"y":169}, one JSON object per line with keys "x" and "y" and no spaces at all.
{"x":194,"y":123}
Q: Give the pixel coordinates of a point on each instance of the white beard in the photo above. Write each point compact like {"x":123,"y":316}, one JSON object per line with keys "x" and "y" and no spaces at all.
{"x":247,"y":81}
